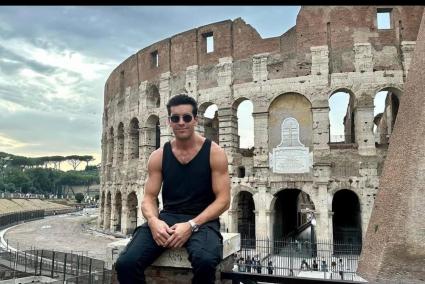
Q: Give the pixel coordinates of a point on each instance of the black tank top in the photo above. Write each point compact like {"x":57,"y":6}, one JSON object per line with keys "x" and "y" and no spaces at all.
{"x":187,"y":188}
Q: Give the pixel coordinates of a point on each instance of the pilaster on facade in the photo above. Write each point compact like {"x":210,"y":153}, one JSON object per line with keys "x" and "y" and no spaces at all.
{"x":320,"y":61}
{"x":166,"y":133}
{"x":320,"y":128}
{"x":407,"y":48}
{"x":228,"y":133}
{"x":164,"y":88}
{"x":224,"y":71}
{"x":363,"y":57}
{"x":143,"y":86}
{"x":191,"y":84}
{"x":259,"y":67}
{"x":261,"y":140}
{"x":363,"y":123}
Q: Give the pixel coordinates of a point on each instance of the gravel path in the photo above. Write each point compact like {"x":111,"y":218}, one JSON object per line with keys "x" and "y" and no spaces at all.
{"x":69,"y":232}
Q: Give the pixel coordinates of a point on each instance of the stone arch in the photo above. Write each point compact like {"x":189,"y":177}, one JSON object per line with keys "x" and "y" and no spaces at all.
{"x":132,"y":208}
{"x":245,"y":125}
{"x":108,"y":207}
{"x":152,"y":133}
{"x":120,"y":143}
{"x":134,"y":139}
{"x":290,"y":208}
{"x":208,"y":126}
{"x":384,"y":121}
{"x":292,"y":105}
{"x":152,"y":96}
{"x":344,"y":133}
{"x":346,"y":221}
{"x":116,"y":226}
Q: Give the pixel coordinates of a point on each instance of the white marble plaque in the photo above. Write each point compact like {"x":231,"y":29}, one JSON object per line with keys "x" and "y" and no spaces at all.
{"x":290,"y":156}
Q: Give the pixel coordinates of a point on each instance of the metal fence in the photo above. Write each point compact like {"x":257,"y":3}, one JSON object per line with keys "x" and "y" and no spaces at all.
{"x":53,"y":264}
{"x":299,"y":257}
{"x":10,"y":219}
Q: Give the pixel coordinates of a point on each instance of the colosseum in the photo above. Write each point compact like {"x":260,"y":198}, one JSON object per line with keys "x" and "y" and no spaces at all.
{"x":297,"y":171}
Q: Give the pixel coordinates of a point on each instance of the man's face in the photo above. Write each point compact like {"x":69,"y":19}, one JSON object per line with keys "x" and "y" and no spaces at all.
{"x":182,"y":121}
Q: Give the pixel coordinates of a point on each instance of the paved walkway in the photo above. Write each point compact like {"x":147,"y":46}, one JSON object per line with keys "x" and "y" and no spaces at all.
{"x":66,"y":233}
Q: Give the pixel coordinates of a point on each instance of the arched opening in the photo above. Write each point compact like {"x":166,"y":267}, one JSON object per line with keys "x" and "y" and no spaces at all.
{"x":111,"y":145}
{"x":107,"y":222}
{"x":120,"y":143}
{"x":246,"y":218}
{"x":131,"y":213}
{"x":152,"y":96}
{"x":386,"y":104}
{"x":210,"y":121}
{"x":341,"y":117}
{"x":291,"y":208}
{"x":152,"y":134}
{"x":134,"y":139}
{"x":118,"y":211}
{"x":290,"y":105}
{"x":347,"y":230}
{"x":245,"y":124}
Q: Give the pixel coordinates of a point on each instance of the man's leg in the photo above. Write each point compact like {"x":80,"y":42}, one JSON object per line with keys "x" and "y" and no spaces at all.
{"x":140,"y":252}
{"x":205,"y":249}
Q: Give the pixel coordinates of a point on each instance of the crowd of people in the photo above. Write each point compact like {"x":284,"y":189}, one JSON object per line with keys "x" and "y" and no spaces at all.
{"x":253,"y":265}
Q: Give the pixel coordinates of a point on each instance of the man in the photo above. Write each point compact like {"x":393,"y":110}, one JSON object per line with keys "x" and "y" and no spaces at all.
{"x":195,"y":192}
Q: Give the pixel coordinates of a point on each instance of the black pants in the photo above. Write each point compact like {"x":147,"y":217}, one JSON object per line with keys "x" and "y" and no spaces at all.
{"x":205,"y":250}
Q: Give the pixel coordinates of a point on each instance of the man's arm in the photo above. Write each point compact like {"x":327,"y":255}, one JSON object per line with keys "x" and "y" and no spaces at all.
{"x":221,"y":188}
{"x":160,"y":230}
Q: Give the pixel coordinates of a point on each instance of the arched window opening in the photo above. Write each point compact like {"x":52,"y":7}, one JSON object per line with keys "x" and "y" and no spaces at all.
{"x":346,"y":219}
{"x":111,"y":145}
{"x":245,"y":124}
{"x":152,"y":96}
{"x":120,"y":143}
{"x":131,"y":213}
{"x":386,"y":104}
{"x":341,"y":118}
{"x":134,"y":139}
{"x":211,"y":123}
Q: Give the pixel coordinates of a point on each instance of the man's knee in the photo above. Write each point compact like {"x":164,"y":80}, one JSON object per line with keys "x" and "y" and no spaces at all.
{"x":205,"y":260}
{"x":124,"y":265}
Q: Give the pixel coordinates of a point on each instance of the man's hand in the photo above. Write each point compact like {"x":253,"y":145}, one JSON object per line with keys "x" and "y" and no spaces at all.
{"x":181,"y":233}
{"x":161,"y":232}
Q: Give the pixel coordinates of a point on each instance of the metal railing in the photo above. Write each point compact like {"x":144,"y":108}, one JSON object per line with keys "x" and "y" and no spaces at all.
{"x":299,"y":258}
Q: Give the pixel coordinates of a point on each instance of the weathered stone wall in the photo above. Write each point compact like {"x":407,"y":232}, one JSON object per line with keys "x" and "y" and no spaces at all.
{"x":331,"y":49}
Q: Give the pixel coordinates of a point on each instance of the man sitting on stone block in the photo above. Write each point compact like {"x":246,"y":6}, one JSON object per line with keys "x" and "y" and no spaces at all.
{"x":193,"y":172}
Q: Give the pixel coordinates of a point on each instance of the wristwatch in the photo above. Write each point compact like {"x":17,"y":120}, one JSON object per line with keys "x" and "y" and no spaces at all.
{"x":195,"y":227}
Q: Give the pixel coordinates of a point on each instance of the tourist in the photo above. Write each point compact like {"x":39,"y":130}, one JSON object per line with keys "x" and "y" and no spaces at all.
{"x":270,"y":267}
{"x":248,"y":264}
{"x":193,"y":173}
{"x":341,"y":269}
{"x":315,"y":265}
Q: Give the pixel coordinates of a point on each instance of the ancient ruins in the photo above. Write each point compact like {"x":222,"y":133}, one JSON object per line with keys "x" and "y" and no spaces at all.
{"x":297,"y":170}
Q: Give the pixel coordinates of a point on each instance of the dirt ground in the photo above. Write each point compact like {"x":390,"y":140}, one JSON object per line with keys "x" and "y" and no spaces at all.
{"x":66,"y":233}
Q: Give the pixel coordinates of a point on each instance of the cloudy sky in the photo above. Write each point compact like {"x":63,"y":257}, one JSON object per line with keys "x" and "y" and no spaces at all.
{"x":54,"y":62}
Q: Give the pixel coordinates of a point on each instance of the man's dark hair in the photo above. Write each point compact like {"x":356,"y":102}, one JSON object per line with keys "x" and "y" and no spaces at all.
{"x":183,"y":99}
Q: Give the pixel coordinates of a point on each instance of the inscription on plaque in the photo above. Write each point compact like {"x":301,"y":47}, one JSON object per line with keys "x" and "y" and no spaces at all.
{"x":290,"y":156}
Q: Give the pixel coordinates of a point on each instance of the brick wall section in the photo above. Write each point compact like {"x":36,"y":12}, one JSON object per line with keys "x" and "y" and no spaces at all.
{"x":339,"y":27}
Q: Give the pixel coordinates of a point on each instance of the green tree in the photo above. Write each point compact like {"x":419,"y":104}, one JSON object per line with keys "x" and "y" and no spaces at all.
{"x":79,"y":197}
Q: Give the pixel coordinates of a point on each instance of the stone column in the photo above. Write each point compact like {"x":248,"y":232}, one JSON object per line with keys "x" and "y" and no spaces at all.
{"x":228,"y":132}
{"x":114,"y":214}
{"x":107,"y":218}
{"x":363,"y":123}
{"x":320,"y":128}
{"x":259,"y":67}
{"x":124,"y":213}
{"x":322,"y":219}
{"x":233,"y":220}
{"x":261,"y":142}
{"x":407,"y":48}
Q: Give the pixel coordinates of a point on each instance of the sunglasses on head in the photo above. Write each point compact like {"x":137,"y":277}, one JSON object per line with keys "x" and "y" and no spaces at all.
{"x":176,"y":118}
